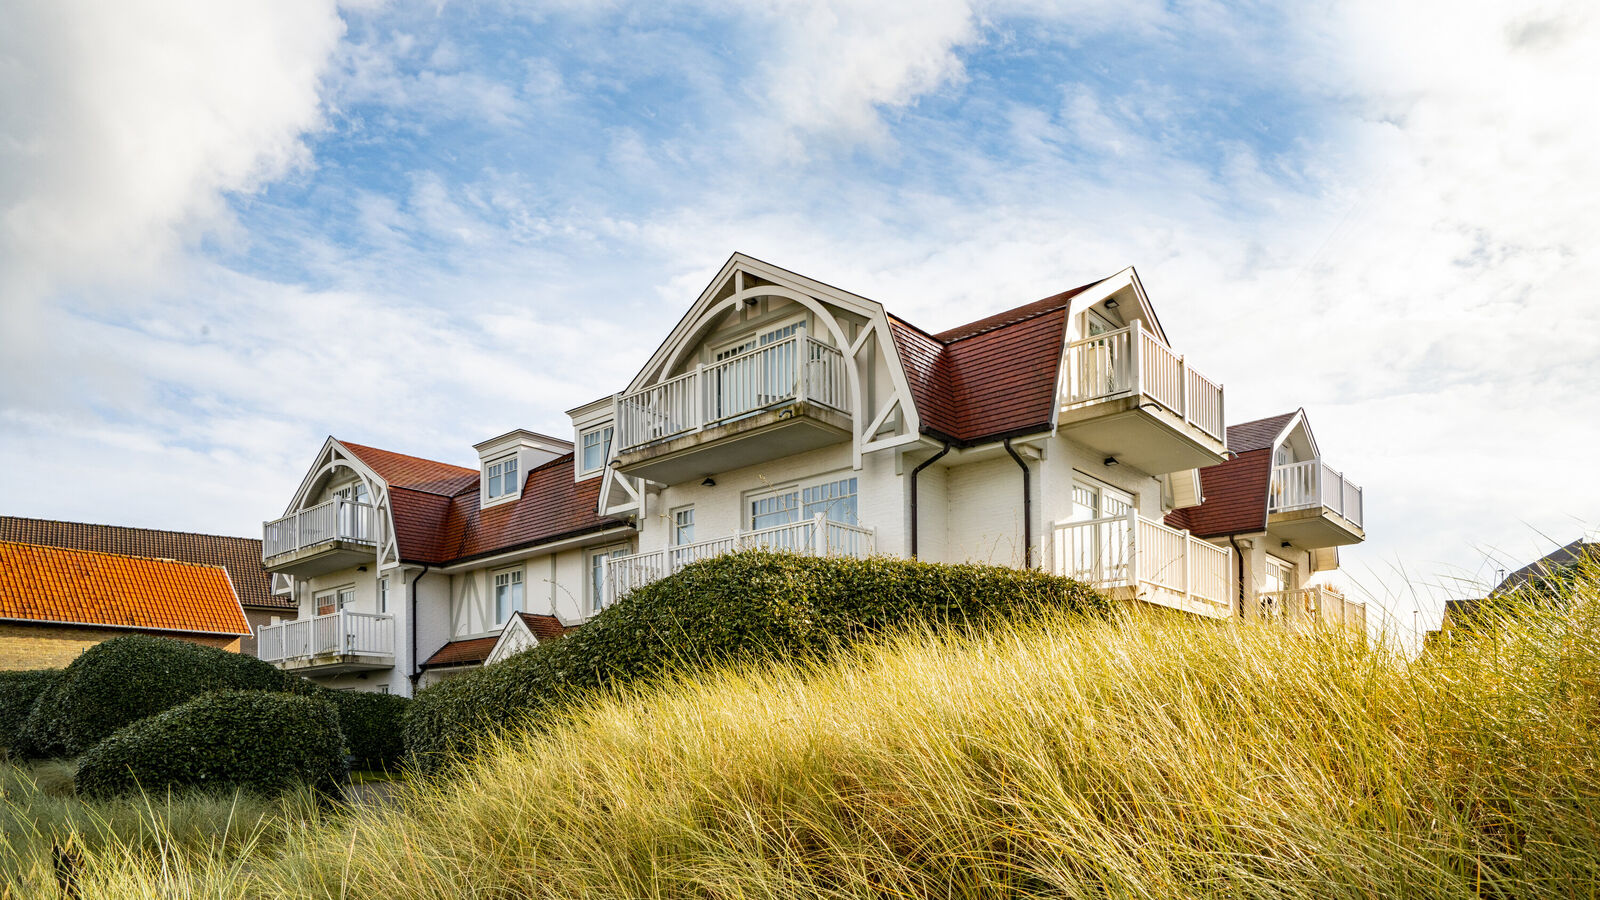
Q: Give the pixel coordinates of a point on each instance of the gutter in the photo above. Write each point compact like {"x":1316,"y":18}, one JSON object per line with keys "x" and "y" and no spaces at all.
{"x":1238,"y":554}
{"x":914,"y":472}
{"x":1027,"y":506}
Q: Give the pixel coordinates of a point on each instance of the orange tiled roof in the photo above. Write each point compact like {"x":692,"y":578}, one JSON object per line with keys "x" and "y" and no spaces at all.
{"x":462,"y":653}
{"x":240,"y":556}
{"x":414,"y":472}
{"x":53,"y":584}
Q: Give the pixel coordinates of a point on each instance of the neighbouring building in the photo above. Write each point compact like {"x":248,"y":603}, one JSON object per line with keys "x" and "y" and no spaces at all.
{"x":781,"y":413}
{"x":56,"y":602}
{"x":1284,"y":512}
{"x":240,"y":556}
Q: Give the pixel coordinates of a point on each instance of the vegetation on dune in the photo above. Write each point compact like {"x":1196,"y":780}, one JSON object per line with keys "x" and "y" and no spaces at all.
{"x":1063,"y":756}
{"x":18,"y":692}
{"x":740,"y":608}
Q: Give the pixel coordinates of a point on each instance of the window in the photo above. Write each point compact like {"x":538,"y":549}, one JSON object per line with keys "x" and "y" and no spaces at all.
{"x":683,"y":526}
{"x":383,"y":594}
{"x":507,"y":594}
{"x":597,"y":586}
{"x":324,"y":601}
{"x":834,"y":499}
{"x":503,"y":478}
{"x":347,"y":597}
{"x":383,"y":689}
{"x":596,"y":447}
{"x":782,"y":508}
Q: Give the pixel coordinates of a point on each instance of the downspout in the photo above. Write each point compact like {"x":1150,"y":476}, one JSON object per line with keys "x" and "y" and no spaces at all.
{"x":416,"y":667}
{"x":1027,"y":506}
{"x":1239,"y":555}
{"x":923,"y":465}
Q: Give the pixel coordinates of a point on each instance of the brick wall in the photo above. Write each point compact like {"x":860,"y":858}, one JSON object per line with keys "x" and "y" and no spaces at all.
{"x":54,"y":646}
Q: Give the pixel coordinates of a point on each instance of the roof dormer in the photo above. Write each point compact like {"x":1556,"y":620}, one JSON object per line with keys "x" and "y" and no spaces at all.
{"x":592,"y":430}
{"x":505,"y":461}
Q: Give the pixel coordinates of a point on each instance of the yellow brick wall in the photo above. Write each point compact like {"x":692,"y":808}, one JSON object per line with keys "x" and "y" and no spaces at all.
{"x":54,"y":646}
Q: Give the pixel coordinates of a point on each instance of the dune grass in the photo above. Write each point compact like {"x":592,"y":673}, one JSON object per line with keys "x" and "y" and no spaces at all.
{"x":1151,"y":756}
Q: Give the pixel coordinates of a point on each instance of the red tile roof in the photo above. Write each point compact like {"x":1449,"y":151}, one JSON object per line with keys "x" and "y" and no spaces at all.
{"x":414,"y":472}
{"x":1235,"y":495}
{"x":240,"y":556}
{"x":53,"y":584}
{"x":543,"y":627}
{"x":1257,"y":434}
{"x":462,"y":653}
{"x":990,"y":378}
{"x":437,"y":517}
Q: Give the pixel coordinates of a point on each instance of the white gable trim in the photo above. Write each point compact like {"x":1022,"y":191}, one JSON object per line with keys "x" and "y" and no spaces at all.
{"x":1299,"y":420}
{"x":335,"y":455}
{"x":514,"y":638}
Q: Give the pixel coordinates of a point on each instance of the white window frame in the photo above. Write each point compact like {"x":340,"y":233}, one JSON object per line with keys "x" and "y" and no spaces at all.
{"x":605,"y":446}
{"x":1093,"y":317}
{"x":329,"y":594}
{"x":798,"y":490}
{"x":504,"y":463}
{"x":595,"y":591}
{"x":513,"y":579}
{"x":383,"y":595}
{"x":682,"y":517}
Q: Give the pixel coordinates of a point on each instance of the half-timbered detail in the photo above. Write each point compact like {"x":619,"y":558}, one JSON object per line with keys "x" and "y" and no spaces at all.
{"x":782,"y":413}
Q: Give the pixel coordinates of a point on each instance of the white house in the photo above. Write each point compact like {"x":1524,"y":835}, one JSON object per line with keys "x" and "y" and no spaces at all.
{"x":784,"y":413}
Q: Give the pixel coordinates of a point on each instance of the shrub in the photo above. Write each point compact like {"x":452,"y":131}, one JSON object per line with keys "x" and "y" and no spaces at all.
{"x":259,"y":741}
{"x":371,"y":726}
{"x":18,"y":691}
{"x":736,"y":608}
{"x":127,"y":678}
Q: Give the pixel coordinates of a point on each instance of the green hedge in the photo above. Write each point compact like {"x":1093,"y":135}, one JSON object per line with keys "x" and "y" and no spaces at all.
{"x":128,"y":678}
{"x":18,"y":691}
{"x":745,"y":606}
{"x":371,"y":726}
{"x":259,"y":741}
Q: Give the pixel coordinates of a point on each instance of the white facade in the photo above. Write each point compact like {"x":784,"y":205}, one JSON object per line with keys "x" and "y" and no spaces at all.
{"x":780,"y":412}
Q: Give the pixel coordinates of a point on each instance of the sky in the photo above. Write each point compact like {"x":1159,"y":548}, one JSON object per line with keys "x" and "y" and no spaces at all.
{"x":230,"y":230}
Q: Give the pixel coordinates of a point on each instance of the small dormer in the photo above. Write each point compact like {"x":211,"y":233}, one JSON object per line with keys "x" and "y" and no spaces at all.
{"x":505,"y":461}
{"x":592,"y":433}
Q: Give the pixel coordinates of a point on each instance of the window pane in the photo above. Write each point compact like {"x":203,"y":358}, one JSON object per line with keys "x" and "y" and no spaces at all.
{"x":596,"y":588}
{"x":510,"y":484}
{"x":683,"y":526}
{"x":494,"y":480}
{"x":780,"y":509}
{"x":836,"y":500}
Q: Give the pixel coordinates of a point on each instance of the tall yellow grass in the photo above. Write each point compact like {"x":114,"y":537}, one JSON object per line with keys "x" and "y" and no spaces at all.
{"x":1153,"y":757}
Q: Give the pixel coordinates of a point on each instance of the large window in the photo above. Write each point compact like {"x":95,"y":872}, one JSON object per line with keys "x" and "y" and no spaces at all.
{"x":834,"y":499}
{"x":683,"y":526}
{"x":596,"y":447}
{"x":772,"y":510}
{"x":597,"y":586}
{"x":502,"y":475}
{"x":507,"y":594}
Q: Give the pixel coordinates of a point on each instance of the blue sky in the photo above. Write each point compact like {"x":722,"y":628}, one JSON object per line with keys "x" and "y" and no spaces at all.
{"x":229,"y":230}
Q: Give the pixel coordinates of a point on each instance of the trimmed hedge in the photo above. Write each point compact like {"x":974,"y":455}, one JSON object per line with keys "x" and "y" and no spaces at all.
{"x":18,"y":691}
{"x":259,"y":741}
{"x":371,"y":726}
{"x":741,"y":607}
{"x":128,"y":678}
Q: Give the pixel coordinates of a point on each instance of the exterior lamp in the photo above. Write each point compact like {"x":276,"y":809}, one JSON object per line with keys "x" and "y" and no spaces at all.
{"x":1111,"y":461}
{"x":709,"y":482}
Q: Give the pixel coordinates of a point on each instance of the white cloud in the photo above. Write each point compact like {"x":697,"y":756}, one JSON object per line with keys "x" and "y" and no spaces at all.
{"x":123,"y":126}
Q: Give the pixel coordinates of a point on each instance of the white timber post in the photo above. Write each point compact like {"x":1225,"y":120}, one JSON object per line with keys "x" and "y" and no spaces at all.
{"x":1136,"y":357}
{"x":607,"y":589}
{"x":1133,"y":548}
{"x":801,"y":351}
{"x":699,"y":400}
{"x":819,"y":536}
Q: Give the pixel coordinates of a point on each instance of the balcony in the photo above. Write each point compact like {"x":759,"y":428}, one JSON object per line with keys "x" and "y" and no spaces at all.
{"x":1310,"y":608}
{"x":814,"y":537}
{"x":330,"y":644}
{"x":320,"y":539}
{"x":1127,"y":395}
{"x":1312,"y":505}
{"x":787,"y":397}
{"x":1135,"y":557}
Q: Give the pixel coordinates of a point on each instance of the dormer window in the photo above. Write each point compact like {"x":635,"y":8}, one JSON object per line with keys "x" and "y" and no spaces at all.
{"x":501,"y":476}
{"x":596,"y":446}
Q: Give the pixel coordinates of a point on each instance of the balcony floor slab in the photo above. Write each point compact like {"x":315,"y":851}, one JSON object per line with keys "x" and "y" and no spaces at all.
{"x":320,"y":559}
{"x":756,"y":438}
{"x":1314,"y":527}
{"x":1146,"y":437}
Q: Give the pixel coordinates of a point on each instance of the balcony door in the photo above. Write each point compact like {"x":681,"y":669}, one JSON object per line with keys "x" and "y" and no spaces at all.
{"x":744,"y":380}
{"x":352,"y":519}
{"x":1100,"y":554}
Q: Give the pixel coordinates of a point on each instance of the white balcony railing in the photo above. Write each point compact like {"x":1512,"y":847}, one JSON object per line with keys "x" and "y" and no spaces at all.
{"x":1164,"y":565}
{"x":1313,"y":483}
{"x":1133,"y":362}
{"x":796,"y":368}
{"x":342,"y":633}
{"x":334,"y":520}
{"x":814,"y":537}
{"x":1310,"y":607}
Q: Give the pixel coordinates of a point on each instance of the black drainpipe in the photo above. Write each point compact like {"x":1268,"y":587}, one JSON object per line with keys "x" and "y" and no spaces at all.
{"x":1027,"y":506}
{"x":416,"y":667}
{"x":1239,"y":555}
{"x":923,"y":465}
